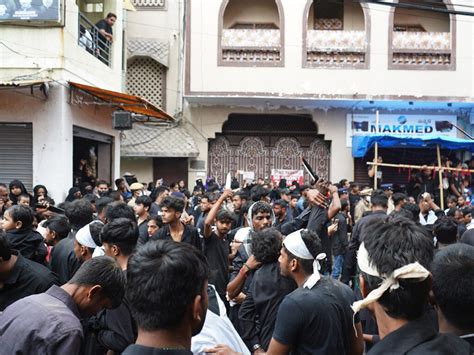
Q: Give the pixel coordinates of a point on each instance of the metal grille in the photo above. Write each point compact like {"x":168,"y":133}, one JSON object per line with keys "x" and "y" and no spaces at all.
{"x":16,"y":153}
{"x":147,"y":78}
{"x":155,"y":4}
{"x":251,"y":154}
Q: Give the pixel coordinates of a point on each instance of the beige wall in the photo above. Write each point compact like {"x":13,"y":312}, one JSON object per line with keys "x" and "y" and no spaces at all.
{"x":251,"y":11}
{"x":378,"y":81}
{"x":431,"y":21}
{"x":142,"y":168}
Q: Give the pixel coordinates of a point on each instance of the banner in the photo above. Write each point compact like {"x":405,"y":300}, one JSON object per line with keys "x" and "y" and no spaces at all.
{"x":289,"y":175}
{"x":413,"y":125}
{"x":30,"y":10}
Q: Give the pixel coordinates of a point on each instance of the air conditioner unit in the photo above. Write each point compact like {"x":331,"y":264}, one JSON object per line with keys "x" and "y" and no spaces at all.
{"x":122,"y":120}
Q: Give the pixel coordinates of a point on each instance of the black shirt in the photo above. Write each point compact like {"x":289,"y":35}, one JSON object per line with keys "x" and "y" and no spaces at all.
{"x":26,"y":278}
{"x":142,"y":232}
{"x":258,"y":312}
{"x":63,"y":260}
{"x":318,"y":222}
{"x":217,"y":252}
{"x":318,"y":320}
{"x":29,"y":243}
{"x":339,"y":238}
{"x":103,"y":25}
{"x":145,"y":350}
{"x":190,"y":235}
{"x":420,"y":337}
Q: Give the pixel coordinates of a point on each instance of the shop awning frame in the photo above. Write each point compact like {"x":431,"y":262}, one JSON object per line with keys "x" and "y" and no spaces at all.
{"x":126,"y":102}
{"x":361,"y":145}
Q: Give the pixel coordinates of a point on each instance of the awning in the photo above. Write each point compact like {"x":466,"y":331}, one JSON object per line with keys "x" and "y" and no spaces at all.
{"x":362,"y":144}
{"x":148,"y":141}
{"x":125,"y":102}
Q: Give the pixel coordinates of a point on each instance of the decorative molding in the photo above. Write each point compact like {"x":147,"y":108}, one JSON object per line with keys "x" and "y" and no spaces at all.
{"x":150,"y":4}
{"x":146,"y":47}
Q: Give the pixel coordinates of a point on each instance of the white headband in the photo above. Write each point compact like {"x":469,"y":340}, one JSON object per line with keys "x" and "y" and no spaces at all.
{"x":411,"y":271}
{"x":84,"y":237}
{"x":295,"y":245}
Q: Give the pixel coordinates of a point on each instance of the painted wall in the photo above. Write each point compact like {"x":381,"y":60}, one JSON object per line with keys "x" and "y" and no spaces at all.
{"x":251,"y":11}
{"x":431,"y":21}
{"x":206,"y":76}
{"x":52,"y":122}
{"x":142,"y":168}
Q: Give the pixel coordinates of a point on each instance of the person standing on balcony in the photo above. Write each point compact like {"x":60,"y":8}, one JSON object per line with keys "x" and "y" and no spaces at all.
{"x":105,"y":35}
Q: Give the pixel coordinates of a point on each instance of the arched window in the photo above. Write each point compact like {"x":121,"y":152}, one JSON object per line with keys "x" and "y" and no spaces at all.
{"x":251,"y":33}
{"x":336,"y":34}
{"x":421,"y":38}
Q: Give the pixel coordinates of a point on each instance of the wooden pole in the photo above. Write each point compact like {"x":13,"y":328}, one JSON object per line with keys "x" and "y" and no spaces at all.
{"x":440,"y":176}
{"x":420,"y":166}
{"x":376,"y":150}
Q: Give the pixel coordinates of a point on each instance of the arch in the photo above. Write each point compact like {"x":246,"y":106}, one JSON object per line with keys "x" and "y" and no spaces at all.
{"x":365,"y":27}
{"x":281,"y":26}
{"x":430,"y":24}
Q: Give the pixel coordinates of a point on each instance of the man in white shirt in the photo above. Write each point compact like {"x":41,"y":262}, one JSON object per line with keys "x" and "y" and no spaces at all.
{"x":427,"y":209}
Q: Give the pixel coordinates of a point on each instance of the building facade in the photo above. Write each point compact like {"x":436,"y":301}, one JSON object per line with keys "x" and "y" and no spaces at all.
{"x":257,"y":71}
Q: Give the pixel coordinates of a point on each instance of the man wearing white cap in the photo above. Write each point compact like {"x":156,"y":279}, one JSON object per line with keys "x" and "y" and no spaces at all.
{"x":87,"y":240}
{"x":395,"y":281}
{"x":316,"y":318}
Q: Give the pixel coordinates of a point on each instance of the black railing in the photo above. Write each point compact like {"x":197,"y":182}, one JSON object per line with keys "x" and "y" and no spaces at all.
{"x":93,"y":42}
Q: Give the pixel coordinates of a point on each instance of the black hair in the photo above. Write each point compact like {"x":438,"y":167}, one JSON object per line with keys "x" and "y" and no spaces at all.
{"x":16,"y":183}
{"x":445,"y":230}
{"x":414,"y":210}
{"x":261,"y":207}
{"x":281,"y":203}
{"x":398,"y":197}
{"x":95,"y":228}
{"x":172,"y":202}
{"x":266,"y":245}
{"x":5,"y":249}
{"x":111,"y":14}
{"x":60,"y":225}
{"x":158,"y":191}
{"x":71,"y":194}
{"x":144,"y":200}
{"x":79,"y":213}
{"x":23,"y":214}
{"x":103,"y":271}
{"x":379,"y":200}
{"x":102,"y":182}
{"x":163,"y":279}
{"x":453,"y":284}
{"x":245,"y":208}
{"x":224,"y":216}
{"x":258,"y":192}
{"x":242,"y":194}
{"x":158,"y":220}
{"x":24,"y":195}
{"x":391,"y":245}
{"x":452,"y":212}
{"x":90,"y":197}
{"x":121,"y":232}
{"x":102,"y":203}
{"x":212,"y":196}
{"x":452,"y":198}
{"x":344,"y":204}
{"x":119,"y":209}
{"x":313,"y":243}
{"x":115,"y":196}
{"x":466,"y":210}
{"x":118,"y":182}
{"x":421,"y":197}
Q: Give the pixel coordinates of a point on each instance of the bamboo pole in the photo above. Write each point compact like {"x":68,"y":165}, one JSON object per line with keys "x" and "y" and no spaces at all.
{"x":376,"y":150}
{"x":440,"y":176}
{"x":421,"y":166}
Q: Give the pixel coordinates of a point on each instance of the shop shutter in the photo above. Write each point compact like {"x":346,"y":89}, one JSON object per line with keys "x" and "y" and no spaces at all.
{"x":16,"y":153}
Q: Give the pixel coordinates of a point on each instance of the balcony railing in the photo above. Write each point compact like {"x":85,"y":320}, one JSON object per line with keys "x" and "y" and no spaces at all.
{"x":335,"y":48}
{"x":93,"y":42}
{"x":421,"y":48}
{"x":251,"y":46}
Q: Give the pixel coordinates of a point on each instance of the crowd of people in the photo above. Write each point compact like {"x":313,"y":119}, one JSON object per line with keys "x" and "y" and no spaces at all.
{"x":242,"y":269}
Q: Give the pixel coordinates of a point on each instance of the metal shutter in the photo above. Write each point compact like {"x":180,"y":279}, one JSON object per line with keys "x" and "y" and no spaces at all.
{"x":16,"y":153}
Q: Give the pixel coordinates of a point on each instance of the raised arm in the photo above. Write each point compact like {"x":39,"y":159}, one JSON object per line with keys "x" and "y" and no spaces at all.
{"x":211,"y":216}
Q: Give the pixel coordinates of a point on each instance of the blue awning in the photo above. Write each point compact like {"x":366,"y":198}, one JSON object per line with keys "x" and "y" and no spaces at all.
{"x":362,"y":144}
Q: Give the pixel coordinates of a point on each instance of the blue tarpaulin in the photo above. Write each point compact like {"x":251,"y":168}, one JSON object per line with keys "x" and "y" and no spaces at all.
{"x":362,"y":144}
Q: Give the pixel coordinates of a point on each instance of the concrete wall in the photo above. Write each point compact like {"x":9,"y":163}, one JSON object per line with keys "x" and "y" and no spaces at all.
{"x":52,"y":122}
{"x":142,"y":168}
{"x":206,"y":76}
{"x":251,"y":11}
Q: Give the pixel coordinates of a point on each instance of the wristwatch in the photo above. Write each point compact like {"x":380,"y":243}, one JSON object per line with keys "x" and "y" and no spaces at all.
{"x":256,"y":347}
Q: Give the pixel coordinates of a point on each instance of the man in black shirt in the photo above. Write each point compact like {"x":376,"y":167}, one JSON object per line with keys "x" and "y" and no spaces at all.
{"x":394,"y":259}
{"x":280,"y":209}
{"x":173,"y":229}
{"x":141,"y":209}
{"x":105,"y":36}
{"x":63,"y":259}
{"x":257,"y":314}
{"x":453,"y":289}
{"x":216,"y":244}
{"x":20,"y":277}
{"x":316,"y":318}
{"x":167,"y":291}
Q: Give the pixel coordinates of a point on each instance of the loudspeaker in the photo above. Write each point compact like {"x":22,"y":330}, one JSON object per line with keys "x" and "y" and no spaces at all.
{"x":122,"y":120}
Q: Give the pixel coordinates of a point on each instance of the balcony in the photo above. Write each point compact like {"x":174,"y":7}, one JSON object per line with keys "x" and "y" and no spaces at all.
{"x":421,"y":48}
{"x":93,"y":42}
{"x":251,"y":46}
